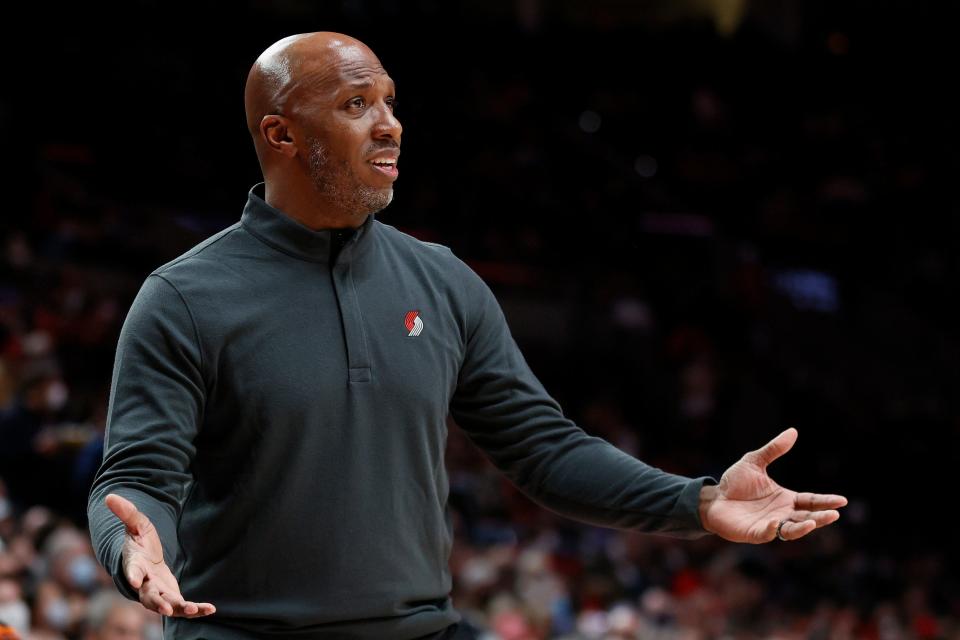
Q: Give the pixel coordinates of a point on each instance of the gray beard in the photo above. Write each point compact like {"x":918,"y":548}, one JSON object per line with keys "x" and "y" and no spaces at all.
{"x":341,"y":187}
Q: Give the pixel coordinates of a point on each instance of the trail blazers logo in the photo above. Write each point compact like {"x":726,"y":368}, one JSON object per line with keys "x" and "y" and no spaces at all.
{"x":413,"y":323}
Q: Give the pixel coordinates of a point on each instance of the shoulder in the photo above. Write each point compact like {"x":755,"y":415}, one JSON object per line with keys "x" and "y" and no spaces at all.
{"x":406,"y":242}
{"x":438,"y":264}
{"x":198,"y":256}
{"x":430,"y":255}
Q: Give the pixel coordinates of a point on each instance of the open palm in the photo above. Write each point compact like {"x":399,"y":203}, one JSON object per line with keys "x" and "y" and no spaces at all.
{"x":748,"y":506}
{"x":144,"y":567}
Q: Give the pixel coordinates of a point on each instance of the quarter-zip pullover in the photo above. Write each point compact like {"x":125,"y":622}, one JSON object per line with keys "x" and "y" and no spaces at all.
{"x":279,"y":413}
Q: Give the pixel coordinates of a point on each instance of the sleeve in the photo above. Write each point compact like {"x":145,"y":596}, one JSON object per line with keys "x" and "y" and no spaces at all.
{"x":504,"y":410}
{"x":155,"y":409}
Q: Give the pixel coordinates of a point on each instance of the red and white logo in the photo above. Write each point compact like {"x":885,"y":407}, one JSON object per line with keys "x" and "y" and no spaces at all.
{"x":413,"y":323}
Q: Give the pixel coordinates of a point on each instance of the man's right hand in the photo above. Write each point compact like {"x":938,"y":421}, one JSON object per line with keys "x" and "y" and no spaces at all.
{"x":144,"y":568}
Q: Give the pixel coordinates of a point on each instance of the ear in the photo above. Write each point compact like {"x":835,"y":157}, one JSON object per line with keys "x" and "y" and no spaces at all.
{"x":277,"y":134}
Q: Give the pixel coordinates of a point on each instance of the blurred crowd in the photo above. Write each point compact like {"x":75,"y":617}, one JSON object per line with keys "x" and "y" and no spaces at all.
{"x":51,"y":587}
{"x":691,"y":260}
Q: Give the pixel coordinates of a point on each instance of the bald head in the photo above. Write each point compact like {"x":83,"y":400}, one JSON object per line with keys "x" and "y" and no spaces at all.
{"x":289,"y":69}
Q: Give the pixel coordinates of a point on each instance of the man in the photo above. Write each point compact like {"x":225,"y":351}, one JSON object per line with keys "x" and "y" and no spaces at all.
{"x":111,"y":617}
{"x":277,"y":420}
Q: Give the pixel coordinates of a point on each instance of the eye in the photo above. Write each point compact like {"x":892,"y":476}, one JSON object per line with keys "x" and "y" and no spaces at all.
{"x":391,"y":102}
{"x":357,"y":103}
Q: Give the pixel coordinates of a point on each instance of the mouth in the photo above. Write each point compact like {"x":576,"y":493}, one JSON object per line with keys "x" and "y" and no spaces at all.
{"x":386,"y":166}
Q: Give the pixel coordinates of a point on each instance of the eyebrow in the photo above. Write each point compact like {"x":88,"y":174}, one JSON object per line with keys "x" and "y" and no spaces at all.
{"x":365,"y":81}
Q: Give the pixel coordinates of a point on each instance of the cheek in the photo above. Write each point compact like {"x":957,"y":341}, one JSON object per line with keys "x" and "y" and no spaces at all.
{"x":347,"y":143}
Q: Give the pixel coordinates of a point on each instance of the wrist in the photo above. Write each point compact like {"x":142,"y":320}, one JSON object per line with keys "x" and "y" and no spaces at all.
{"x":708,"y":494}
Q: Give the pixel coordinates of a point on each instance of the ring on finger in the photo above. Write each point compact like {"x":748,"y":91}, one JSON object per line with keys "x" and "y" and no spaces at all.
{"x":779,"y":527}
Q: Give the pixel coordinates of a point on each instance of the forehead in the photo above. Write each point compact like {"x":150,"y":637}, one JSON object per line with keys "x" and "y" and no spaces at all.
{"x":343,"y":67}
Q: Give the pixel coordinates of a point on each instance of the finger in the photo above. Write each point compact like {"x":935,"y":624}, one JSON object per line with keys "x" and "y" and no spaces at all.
{"x":771,"y":531}
{"x":795,"y":530}
{"x":166,"y":594}
{"x":151,"y":598}
{"x":165,"y":586}
{"x":773,"y":449}
{"x":818,"y":501}
{"x":198,"y":609}
{"x":176,"y":602}
{"x":186,"y":609}
{"x":822,"y":518}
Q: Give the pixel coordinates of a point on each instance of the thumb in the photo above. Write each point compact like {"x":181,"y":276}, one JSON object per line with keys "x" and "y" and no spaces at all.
{"x":127,"y":512}
{"x":773,"y":449}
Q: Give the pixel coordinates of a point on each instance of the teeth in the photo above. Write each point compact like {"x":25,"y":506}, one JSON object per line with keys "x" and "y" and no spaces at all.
{"x":389,"y":163}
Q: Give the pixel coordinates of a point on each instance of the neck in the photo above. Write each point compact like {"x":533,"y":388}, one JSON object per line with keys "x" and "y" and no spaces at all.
{"x":308,"y":208}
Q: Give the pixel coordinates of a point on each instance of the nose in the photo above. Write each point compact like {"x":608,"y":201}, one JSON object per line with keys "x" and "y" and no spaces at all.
{"x":387,"y":127}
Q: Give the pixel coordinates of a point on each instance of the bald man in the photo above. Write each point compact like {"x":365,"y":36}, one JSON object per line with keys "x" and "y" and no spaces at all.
{"x":273,"y":462}
{"x":110,"y":617}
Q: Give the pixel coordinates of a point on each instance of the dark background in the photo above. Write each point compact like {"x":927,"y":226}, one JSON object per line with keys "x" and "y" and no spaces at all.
{"x":705,"y":221}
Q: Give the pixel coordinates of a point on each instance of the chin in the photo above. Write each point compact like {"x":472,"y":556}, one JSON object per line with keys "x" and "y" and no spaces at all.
{"x":375,"y":200}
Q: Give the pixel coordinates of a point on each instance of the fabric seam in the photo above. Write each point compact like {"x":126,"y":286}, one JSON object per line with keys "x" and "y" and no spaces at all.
{"x":191,"y":254}
{"x":193,"y":321}
{"x":193,"y":483}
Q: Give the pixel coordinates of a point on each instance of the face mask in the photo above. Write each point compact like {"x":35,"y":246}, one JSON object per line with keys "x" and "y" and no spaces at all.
{"x":57,"y":614}
{"x":153,"y":631}
{"x":56,"y":396}
{"x":83,"y":573}
{"x":16,"y":614}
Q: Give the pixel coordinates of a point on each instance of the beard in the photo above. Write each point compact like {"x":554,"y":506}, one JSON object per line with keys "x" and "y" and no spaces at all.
{"x":338,"y":184}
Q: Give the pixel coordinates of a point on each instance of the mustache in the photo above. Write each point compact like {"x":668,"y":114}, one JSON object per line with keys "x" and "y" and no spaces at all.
{"x":387,"y":144}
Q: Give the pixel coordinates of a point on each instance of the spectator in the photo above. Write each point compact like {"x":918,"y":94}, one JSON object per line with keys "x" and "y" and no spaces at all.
{"x":110,"y":616}
{"x":14,"y":612}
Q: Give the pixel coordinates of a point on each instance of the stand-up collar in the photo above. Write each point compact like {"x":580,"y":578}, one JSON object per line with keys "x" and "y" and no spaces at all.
{"x":275,"y":228}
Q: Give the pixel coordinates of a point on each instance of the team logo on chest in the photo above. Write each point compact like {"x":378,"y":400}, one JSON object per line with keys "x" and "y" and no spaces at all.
{"x":413,"y":323}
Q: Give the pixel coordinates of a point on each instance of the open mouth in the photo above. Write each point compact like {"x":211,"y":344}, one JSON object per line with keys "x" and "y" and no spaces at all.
{"x":386,"y":166}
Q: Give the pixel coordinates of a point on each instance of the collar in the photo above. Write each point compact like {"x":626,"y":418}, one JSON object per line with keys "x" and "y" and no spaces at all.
{"x":278,"y":230}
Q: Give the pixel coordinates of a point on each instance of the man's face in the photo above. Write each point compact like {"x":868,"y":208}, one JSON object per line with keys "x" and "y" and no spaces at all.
{"x":123,"y":623}
{"x":352,"y":136}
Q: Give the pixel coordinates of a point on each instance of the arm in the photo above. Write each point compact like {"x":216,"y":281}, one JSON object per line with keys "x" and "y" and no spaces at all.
{"x":505,"y":410}
{"x":156,"y":404}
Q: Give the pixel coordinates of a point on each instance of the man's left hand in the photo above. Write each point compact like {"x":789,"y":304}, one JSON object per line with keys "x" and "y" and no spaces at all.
{"x":747,"y":506}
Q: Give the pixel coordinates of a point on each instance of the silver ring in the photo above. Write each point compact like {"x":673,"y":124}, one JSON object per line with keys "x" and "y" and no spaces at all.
{"x":780,"y":526}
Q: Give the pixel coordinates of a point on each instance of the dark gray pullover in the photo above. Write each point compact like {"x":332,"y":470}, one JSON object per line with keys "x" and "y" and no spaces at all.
{"x":282,"y":422}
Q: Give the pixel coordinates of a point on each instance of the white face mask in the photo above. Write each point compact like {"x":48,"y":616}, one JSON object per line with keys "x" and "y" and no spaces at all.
{"x":83,"y":573}
{"x":16,"y":614}
{"x":153,"y":631}
{"x":56,"y":396}
{"x":57,"y":613}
